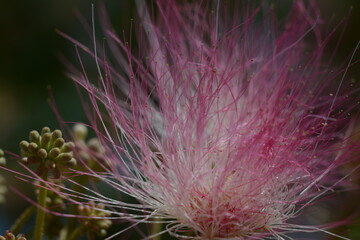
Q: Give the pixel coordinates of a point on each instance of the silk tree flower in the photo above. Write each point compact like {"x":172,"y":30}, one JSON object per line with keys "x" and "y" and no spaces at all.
{"x":222,"y":125}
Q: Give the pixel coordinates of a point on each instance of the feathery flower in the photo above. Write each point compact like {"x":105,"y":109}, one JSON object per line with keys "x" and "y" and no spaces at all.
{"x":223,"y":125}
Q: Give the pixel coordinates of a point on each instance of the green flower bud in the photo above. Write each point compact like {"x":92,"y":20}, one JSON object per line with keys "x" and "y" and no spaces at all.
{"x":80,"y":208}
{"x":56,"y":134}
{"x":57,"y":201}
{"x":34,"y":136}
{"x":71,"y":163}
{"x":24,"y":146}
{"x":102,"y":233}
{"x":104,"y":224}
{"x":45,"y":140}
{"x":80,"y":131}
{"x":95,"y":145}
{"x":9,"y":236}
{"x":3,"y":189}
{"x":24,"y":160}
{"x":32,"y":148}
{"x":68,"y":147}
{"x":42,"y":153}
{"x":59,"y":142}
{"x":65,"y":157}
{"x":45,"y":130}
{"x":2,"y":161}
{"x":54,"y":153}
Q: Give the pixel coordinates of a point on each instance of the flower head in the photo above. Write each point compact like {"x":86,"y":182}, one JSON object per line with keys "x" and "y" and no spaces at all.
{"x":222,"y":123}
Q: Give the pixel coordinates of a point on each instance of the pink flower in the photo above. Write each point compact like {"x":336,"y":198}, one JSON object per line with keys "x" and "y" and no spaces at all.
{"x":221,"y":124}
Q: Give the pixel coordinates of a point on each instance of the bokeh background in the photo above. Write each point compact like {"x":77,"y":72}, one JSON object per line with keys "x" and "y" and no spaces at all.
{"x":29,"y":64}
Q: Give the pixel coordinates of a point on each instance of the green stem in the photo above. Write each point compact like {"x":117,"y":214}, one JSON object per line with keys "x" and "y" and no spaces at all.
{"x":76,"y":233}
{"x":40,"y":215}
{"x":156,"y":228}
{"x":15,"y":228}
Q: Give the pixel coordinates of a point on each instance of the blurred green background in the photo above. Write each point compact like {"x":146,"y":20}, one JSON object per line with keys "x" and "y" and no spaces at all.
{"x":29,"y":63}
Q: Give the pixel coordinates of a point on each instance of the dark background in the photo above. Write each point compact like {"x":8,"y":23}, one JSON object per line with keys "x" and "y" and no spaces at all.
{"x":29,"y":63}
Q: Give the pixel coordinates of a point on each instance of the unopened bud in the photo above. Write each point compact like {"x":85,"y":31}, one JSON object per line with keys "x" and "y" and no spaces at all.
{"x":2,"y":161}
{"x":71,"y":163}
{"x":24,"y":160}
{"x":68,"y":147}
{"x":64,"y":157}
{"x":102,"y":233}
{"x":104,"y":224}
{"x":9,"y":236}
{"x":56,"y":134}
{"x":32,"y":147}
{"x":80,"y":131}
{"x":34,"y":136}
{"x":94,"y":144}
{"x":59,"y":142}
{"x":45,"y":139}
{"x":24,"y":146}
{"x":54,"y":153}
{"x":45,"y":130}
{"x":42,"y":153}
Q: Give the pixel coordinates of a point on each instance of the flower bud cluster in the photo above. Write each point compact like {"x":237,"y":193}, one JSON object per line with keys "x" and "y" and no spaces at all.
{"x":49,"y":150}
{"x":10,"y":236}
{"x":2,"y":159}
{"x":3,"y":189}
{"x":91,"y":151}
{"x":95,"y":218}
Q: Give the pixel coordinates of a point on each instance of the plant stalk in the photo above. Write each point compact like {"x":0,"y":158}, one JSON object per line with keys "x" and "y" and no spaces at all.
{"x":156,"y":228}
{"x":41,"y":214}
